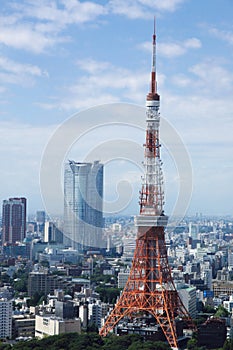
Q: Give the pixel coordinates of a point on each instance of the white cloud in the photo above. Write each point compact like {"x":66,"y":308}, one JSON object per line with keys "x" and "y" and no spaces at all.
{"x":181,"y":80}
{"x":81,"y":12}
{"x":39,"y":24}
{"x":61,"y":12}
{"x":28,"y":38}
{"x":131,"y":9}
{"x":20,"y":175}
{"x":173,"y":49}
{"x":91,"y":66}
{"x":192,"y":43}
{"x":208,"y":77}
{"x":17,"y":73}
{"x":213,"y":78}
{"x":2,"y":89}
{"x":142,"y":8}
{"x":204,"y":122}
{"x":165,"y":5}
{"x":18,"y":68}
{"x":101,"y":83}
{"x":201,"y":120}
{"x":222,"y":34}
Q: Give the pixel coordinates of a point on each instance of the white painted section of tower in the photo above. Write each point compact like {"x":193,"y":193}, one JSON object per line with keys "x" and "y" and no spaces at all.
{"x":153,"y":177}
{"x":152,"y":195}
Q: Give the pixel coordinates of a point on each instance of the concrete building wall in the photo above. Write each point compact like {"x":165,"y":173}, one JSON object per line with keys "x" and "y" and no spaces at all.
{"x":189,"y":299}
{"x":95,"y":313}
{"x":23,"y":326}
{"x":222,"y":287}
{"x":122,"y":279}
{"x":50,"y":325}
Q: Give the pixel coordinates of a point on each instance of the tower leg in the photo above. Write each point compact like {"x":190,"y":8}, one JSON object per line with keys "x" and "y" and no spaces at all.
{"x":150,"y":288}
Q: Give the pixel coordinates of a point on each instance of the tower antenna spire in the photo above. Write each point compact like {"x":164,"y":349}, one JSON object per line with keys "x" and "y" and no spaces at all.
{"x":154,"y":24}
{"x":153,"y":95}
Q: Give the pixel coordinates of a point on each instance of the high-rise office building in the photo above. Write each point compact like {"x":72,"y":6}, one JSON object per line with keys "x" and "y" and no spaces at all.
{"x":13,"y":220}
{"x":83,"y":204}
{"x":52,"y":233}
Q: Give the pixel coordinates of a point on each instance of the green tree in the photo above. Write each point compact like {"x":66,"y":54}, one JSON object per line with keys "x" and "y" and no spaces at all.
{"x":113,"y":342}
{"x":198,"y":321}
{"x":4,"y":346}
{"x":209,"y":309}
{"x":88,"y":341}
{"x":228,"y":345}
{"x":221,"y":312}
{"x":93,"y":328}
{"x":36,"y":299}
{"x":149,"y":345}
{"x":21,"y":285}
{"x":192,"y":344}
{"x":108,"y":294}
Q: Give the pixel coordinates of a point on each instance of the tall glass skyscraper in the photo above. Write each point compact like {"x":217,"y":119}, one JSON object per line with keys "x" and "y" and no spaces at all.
{"x":83,"y":204}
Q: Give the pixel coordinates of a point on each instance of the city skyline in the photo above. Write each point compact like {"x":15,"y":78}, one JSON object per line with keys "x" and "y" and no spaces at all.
{"x":70,"y":56}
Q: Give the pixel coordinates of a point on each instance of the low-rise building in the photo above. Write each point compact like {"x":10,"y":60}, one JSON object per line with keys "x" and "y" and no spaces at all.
{"x":23,"y":326}
{"x":123,"y":276}
{"x":228,"y":304}
{"x":51,"y":325}
{"x":221,"y":287}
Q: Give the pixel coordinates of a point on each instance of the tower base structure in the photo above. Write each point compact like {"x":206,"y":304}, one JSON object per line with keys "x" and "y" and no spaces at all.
{"x":150,"y":288}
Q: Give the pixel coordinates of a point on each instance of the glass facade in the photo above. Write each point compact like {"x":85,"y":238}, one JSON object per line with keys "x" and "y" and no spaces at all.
{"x":83,"y":205}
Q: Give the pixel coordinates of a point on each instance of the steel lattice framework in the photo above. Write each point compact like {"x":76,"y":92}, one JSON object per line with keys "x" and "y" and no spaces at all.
{"x":150,"y":287}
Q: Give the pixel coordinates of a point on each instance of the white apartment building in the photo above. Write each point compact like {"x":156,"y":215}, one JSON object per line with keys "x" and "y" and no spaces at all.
{"x":95,"y":313}
{"x":228,"y":304}
{"x":51,"y":325}
{"x":180,"y":254}
{"x":91,"y":312}
{"x":5,"y":318}
{"x":123,"y":277}
{"x":230,"y":259}
{"x":129,"y":245}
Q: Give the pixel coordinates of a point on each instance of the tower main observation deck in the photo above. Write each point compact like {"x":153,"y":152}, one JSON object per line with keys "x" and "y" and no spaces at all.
{"x":150,"y":288}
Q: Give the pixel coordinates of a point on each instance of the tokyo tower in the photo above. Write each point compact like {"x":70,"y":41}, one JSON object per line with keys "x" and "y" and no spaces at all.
{"x":150,"y":288}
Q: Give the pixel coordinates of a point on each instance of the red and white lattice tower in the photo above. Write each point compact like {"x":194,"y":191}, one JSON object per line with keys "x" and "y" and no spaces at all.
{"x":150,"y":287}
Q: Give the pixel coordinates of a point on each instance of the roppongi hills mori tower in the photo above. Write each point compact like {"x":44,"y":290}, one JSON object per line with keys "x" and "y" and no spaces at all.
{"x":150,"y":290}
{"x":83,"y":205}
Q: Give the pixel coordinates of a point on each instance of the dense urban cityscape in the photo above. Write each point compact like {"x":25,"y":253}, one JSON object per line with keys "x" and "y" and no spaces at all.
{"x":50,"y":288}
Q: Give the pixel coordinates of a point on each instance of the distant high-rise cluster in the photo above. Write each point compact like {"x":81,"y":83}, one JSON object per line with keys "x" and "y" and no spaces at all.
{"x":13,"y":220}
{"x":40,"y":220}
{"x":83,"y":204}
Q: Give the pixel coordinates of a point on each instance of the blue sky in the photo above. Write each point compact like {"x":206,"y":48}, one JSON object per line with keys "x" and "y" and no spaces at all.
{"x":60,"y":57}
